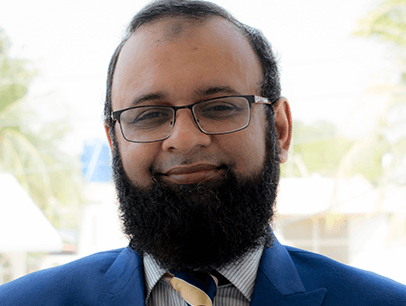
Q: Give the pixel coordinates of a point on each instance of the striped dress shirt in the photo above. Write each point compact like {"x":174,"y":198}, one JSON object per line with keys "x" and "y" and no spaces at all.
{"x":237,"y":293}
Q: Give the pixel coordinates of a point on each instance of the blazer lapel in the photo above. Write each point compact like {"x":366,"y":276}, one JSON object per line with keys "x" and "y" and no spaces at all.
{"x":278,"y":282}
{"x":124,"y":281}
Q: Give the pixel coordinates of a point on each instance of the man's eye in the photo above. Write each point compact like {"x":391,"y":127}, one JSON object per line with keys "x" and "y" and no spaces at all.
{"x":149,"y":115}
{"x":149,"y":118}
{"x":222,"y":107}
{"x":219,"y":109}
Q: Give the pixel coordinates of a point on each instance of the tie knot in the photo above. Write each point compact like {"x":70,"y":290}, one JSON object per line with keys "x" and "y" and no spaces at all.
{"x":196,"y":288}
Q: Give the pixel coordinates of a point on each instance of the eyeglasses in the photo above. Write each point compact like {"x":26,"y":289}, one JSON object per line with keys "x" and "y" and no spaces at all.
{"x":220,"y":115}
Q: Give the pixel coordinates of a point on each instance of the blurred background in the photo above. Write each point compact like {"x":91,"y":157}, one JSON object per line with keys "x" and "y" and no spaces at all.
{"x":343,"y":69}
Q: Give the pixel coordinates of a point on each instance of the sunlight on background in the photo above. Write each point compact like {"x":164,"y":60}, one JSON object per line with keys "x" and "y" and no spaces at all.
{"x":343,"y":190}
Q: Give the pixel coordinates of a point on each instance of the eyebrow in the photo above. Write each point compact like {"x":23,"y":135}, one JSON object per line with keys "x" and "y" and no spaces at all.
{"x":200,"y":94}
{"x":148,"y":97}
{"x":215,"y":90}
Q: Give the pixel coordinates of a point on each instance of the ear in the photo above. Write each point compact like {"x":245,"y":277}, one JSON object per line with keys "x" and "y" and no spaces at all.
{"x":283,"y":123}
{"x":107,"y":129}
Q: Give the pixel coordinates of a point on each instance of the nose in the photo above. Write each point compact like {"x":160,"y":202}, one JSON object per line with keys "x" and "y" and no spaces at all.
{"x":185,"y":135}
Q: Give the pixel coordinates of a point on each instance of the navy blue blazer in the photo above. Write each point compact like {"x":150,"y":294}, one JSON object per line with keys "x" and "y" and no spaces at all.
{"x":286,"y":277}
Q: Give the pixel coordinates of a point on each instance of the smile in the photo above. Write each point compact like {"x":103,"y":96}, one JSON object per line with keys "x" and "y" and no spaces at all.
{"x":193,"y":174}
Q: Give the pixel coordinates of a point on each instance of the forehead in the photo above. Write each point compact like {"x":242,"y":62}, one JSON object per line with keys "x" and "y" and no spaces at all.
{"x":171,"y":28}
{"x":174,"y":54}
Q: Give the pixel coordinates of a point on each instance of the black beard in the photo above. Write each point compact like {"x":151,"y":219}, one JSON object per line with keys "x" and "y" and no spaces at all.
{"x":203,"y":226}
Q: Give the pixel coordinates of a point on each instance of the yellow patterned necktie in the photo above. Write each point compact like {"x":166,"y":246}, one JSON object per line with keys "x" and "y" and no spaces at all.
{"x":196,"y":288}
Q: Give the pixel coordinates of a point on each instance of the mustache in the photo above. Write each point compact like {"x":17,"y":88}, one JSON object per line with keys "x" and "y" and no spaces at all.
{"x":157,"y":171}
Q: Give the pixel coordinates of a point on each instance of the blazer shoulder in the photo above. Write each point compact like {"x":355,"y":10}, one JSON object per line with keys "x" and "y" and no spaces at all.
{"x":345,"y":282}
{"x":62,"y":285}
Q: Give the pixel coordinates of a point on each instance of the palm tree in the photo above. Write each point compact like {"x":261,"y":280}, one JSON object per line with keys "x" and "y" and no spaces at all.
{"x":380,"y":157}
{"x":387,"y":23}
{"x":46,"y":177}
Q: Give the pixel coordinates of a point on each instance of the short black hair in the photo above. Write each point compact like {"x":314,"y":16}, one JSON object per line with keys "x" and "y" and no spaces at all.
{"x":199,"y":11}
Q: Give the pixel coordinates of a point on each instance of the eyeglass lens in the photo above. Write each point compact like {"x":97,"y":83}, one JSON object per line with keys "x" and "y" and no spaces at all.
{"x":217,"y":116}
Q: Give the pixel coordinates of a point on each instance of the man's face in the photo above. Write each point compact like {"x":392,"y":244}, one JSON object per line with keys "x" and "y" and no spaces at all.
{"x":161,"y":66}
{"x":195,"y":201}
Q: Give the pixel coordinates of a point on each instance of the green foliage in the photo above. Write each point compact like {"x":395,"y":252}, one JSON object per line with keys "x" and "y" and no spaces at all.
{"x":365,"y":158}
{"x":318,"y":147}
{"x":323,"y":156}
{"x":387,"y":22}
{"x":318,"y":131}
{"x":51,"y":178}
{"x":380,"y":156}
{"x":15,"y":75}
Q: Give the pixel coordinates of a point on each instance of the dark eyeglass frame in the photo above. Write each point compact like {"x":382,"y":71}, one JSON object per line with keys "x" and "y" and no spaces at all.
{"x":115,"y":115}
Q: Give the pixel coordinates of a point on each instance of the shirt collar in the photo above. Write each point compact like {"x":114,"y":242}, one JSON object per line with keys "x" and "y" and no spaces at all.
{"x":152,"y":273}
{"x":241,"y":274}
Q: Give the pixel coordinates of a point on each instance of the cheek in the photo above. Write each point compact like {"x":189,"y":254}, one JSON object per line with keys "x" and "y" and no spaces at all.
{"x":247,"y":148}
{"x":256,"y":139}
{"x":137,"y":159}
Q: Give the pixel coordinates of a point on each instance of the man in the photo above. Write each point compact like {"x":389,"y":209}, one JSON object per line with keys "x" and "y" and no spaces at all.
{"x":198,"y":130}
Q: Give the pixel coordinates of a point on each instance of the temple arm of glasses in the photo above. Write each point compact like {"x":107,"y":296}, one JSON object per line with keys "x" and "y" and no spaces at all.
{"x":259,"y":99}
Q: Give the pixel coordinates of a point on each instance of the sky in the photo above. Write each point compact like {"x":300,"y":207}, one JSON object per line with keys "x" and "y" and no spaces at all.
{"x":326,"y":72}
